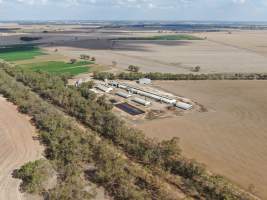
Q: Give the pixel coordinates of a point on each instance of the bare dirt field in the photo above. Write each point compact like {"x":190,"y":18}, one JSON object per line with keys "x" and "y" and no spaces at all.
{"x":221,"y":52}
{"x":231,"y":137}
{"x":251,"y":41}
{"x":179,"y":56}
{"x":16,"y":148}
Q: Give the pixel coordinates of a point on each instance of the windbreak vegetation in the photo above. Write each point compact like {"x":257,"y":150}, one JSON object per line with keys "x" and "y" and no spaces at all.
{"x":96,"y":114}
{"x":76,"y":154}
{"x":170,"y":76}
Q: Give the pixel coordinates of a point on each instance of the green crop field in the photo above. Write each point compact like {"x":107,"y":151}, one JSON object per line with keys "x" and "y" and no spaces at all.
{"x":163,"y":37}
{"x":58,"y":67}
{"x":19,"y":52}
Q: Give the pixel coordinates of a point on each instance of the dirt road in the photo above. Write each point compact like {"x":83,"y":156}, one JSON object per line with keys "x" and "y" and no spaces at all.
{"x":16,"y":148}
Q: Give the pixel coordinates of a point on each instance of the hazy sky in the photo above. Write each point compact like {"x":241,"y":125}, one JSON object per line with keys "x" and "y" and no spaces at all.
{"x":235,"y":10}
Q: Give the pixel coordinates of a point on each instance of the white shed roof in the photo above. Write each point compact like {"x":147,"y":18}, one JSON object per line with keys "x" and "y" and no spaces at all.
{"x":184,"y":106}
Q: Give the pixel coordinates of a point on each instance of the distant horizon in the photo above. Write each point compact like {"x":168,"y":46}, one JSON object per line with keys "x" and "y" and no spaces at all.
{"x":132,"y":20}
{"x":134,"y":10}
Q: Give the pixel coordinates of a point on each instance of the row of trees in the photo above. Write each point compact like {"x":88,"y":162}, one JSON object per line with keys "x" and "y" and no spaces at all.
{"x":170,"y":76}
{"x":96,"y":115}
{"x":71,"y":149}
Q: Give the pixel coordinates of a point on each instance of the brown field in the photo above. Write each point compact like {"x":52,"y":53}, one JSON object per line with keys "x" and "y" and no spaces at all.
{"x":16,"y":148}
{"x":230,"y":139}
{"x":251,"y":41}
{"x":220,"y":53}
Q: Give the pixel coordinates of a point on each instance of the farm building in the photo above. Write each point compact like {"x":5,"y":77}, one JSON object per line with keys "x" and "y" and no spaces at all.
{"x":94,"y":90}
{"x":124,"y":95}
{"x":142,"y":101}
{"x":184,"y":106}
{"x":144,"y":81}
{"x":104,"y":88}
{"x":134,"y":90}
{"x":153,"y":96}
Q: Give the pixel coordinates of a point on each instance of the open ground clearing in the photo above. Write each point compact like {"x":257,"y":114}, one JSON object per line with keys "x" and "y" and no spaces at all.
{"x":17,"y":147}
{"x":231,"y":137}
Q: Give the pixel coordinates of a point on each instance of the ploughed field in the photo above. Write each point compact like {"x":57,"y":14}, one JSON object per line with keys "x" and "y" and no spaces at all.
{"x":17,"y":147}
{"x":231,"y":137}
{"x":250,"y":41}
{"x":179,"y":56}
{"x":219,"y":52}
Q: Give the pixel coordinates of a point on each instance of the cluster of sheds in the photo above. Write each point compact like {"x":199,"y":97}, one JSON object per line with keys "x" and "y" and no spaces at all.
{"x":147,"y":94}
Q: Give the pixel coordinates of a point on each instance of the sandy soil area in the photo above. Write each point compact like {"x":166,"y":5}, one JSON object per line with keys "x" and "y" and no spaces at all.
{"x":16,"y":148}
{"x":231,"y":137}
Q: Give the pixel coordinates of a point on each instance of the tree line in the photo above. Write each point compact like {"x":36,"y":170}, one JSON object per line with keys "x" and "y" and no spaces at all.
{"x":97,"y":115}
{"x":70,"y":149}
{"x":171,"y":76}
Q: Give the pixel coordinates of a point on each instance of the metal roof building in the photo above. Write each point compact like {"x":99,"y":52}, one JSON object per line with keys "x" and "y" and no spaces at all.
{"x":142,"y":101}
{"x":124,"y":95}
{"x":144,"y":81}
{"x":104,"y":88}
{"x":183,"y":105}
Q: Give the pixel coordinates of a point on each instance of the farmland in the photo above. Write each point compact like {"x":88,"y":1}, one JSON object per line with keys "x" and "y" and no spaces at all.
{"x":183,"y":55}
{"x":163,"y":37}
{"x":17,"y":147}
{"x":157,"y":158}
{"x":230,"y":138}
{"x":58,"y":67}
{"x":19,"y":52}
{"x":225,"y":130}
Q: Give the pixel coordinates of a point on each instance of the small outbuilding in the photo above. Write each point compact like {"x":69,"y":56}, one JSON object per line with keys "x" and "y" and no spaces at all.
{"x":144,"y":81}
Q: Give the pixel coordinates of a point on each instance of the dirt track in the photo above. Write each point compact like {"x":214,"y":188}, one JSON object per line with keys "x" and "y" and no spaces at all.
{"x":16,"y":148}
{"x":231,"y":137}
